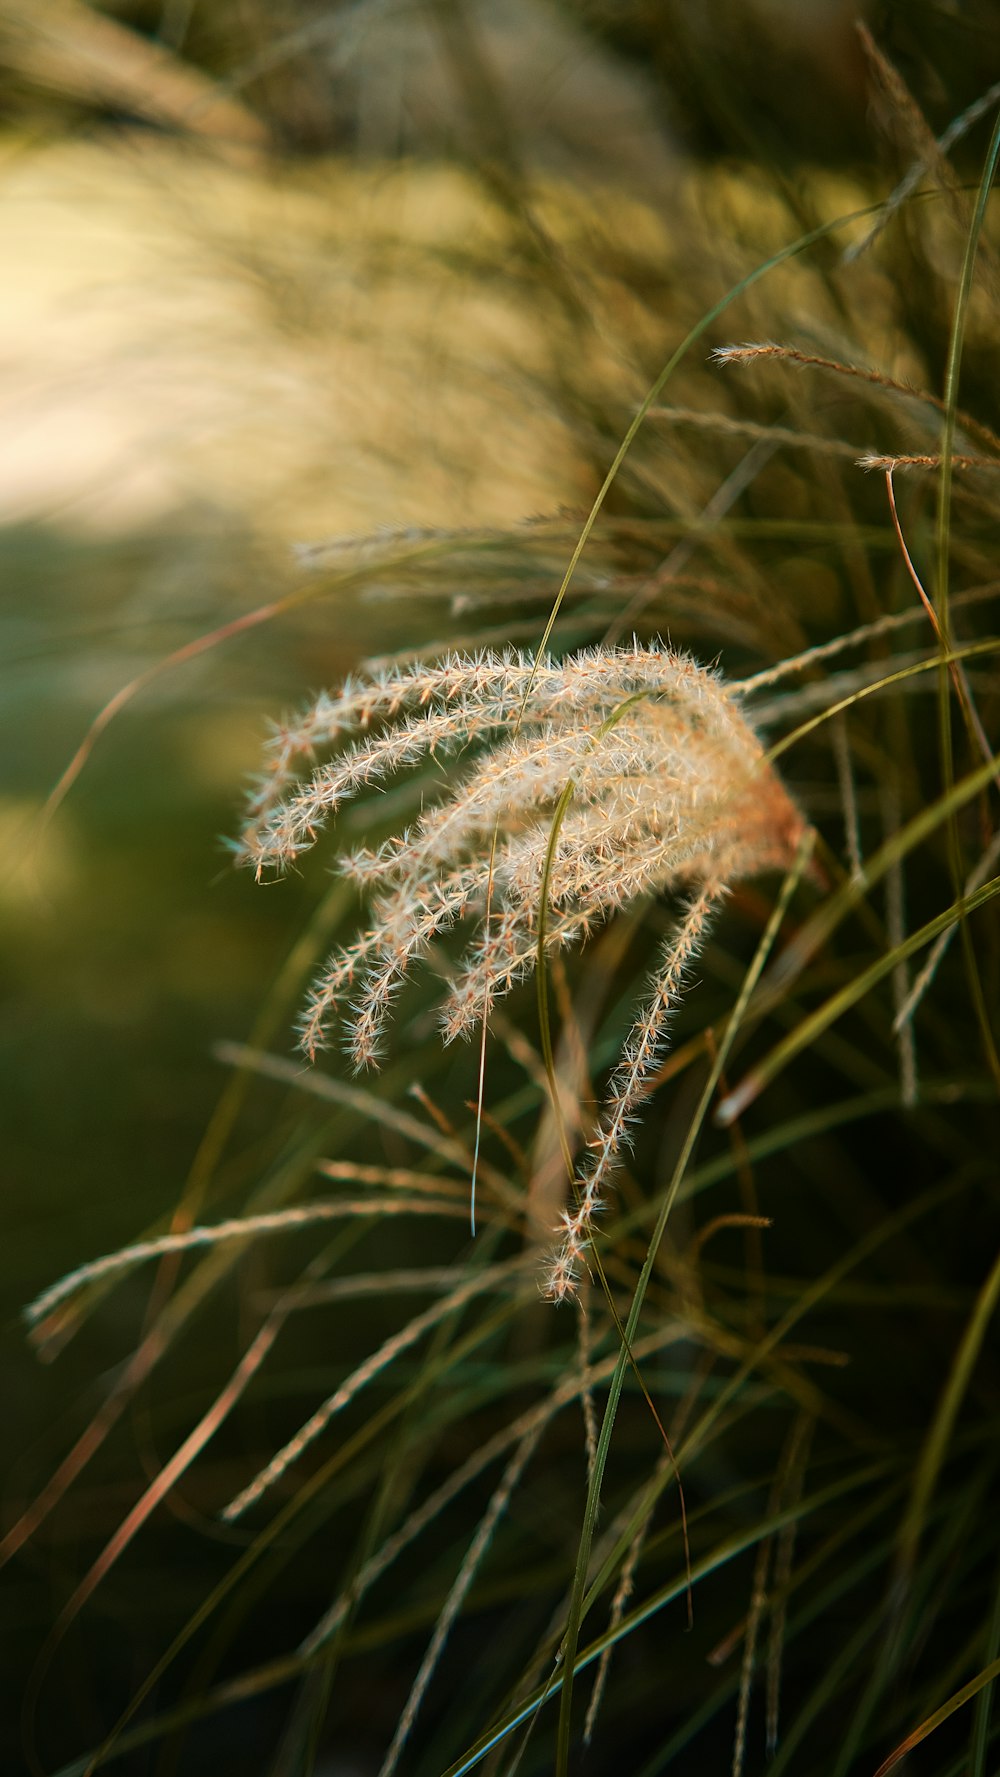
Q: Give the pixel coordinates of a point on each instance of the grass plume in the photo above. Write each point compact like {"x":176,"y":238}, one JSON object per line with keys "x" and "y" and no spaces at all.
{"x":670,"y":791}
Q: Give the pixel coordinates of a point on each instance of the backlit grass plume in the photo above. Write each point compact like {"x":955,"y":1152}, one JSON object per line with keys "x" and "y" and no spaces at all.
{"x":659,"y":783}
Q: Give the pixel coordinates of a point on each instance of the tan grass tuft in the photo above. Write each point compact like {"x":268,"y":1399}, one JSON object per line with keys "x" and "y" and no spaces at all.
{"x":668,"y":788}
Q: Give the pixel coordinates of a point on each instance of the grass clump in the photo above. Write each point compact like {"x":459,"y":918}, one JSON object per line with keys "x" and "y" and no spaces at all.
{"x":787,"y":1301}
{"x":668,"y":786}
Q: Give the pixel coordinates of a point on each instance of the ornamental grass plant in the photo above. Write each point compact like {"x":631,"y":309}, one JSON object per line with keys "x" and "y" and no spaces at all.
{"x":613,"y":1389}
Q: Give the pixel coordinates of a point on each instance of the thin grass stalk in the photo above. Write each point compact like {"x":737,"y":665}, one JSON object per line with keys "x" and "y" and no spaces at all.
{"x":354,"y":1098}
{"x":850,"y":897}
{"x":853,"y":638}
{"x":722,"y":1555}
{"x":536,"y":1419}
{"x":987,"y":1676}
{"x":895,"y":923}
{"x":277,"y":1532}
{"x":957,"y":128}
{"x":755,"y":1615}
{"x":967,"y":651}
{"x":848,"y":795}
{"x":847,"y":1576}
{"x":359,"y":1378}
{"x":805,"y":1300}
{"x":587,"y":1394}
{"x":974,"y":880}
{"x":570,"y":1642}
{"x":935,"y":1447}
{"x":623,"y":1592}
{"x":801,"y":245}
{"x":750,"y":351}
{"x":979,"y":1740}
{"x":363,"y":1560}
{"x":753,"y":1084}
{"x":793,"y":1482}
{"x":899,"y":1620}
{"x":827,"y":1688}
{"x":943,"y":573}
{"x":498,"y":1504}
{"x":773,"y":1555}
{"x":248,"y":1228}
{"x":542,"y":1414}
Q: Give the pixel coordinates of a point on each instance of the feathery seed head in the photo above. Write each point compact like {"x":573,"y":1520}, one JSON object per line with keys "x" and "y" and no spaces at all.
{"x":615,"y":773}
{"x":670,"y":788}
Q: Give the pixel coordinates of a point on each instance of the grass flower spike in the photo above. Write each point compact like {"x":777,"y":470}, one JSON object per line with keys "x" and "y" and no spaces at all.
{"x":660,"y":782}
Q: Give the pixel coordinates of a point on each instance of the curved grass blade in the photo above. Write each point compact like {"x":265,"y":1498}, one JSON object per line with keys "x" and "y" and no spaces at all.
{"x":943,"y":568}
{"x":805,"y":1033}
{"x":981,"y":1719}
{"x":838,"y":906}
{"x":936,"y":1445}
{"x":957,"y":1701}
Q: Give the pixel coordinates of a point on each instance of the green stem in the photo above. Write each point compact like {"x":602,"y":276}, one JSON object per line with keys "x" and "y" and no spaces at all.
{"x":576,"y":1610}
{"x":943,"y":543}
